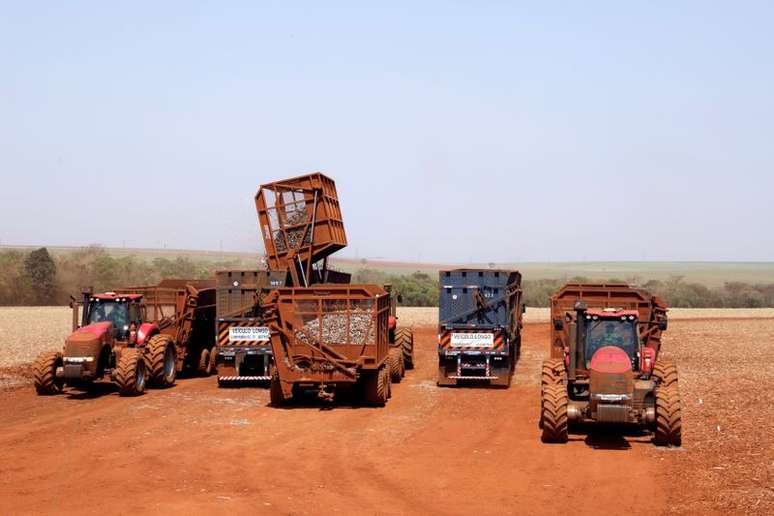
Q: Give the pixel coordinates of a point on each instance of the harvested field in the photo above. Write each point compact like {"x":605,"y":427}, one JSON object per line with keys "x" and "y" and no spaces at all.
{"x":25,"y":332}
{"x":429,"y":450}
{"x":727,"y":385}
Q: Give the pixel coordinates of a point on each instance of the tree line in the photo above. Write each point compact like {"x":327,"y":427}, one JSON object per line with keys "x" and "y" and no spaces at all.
{"x":420,"y":289}
{"x":38,"y":278}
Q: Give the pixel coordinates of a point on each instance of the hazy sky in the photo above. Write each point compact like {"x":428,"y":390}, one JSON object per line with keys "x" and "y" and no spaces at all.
{"x":456,"y":131}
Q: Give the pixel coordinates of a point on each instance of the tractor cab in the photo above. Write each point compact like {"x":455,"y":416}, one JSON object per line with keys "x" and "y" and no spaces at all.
{"x":607,"y":328}
{"x":125,"y":311}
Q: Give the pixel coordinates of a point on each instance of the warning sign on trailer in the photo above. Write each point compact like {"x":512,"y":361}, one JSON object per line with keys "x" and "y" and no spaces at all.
{"x":478,"y":340}
{"x":248,"y":333}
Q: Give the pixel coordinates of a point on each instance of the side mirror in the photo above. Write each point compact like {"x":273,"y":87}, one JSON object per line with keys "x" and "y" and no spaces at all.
{"x":524,"y":309}
{"x":400,"y":298}
{"x":662,"y":324}
{"x":558,"y":324}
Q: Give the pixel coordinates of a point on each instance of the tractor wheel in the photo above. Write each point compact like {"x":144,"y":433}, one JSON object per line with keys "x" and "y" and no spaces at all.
{"x":213,"y":366}
{"x":204,"y":363}
{"x":669,"y":421}
{"x":395,"y":360}
{"x":553,"y":372}
{"x":553,"y":417}
{"x":404,"y":339}
{"x":376,"y":387}
{"x":131,"y":373}
{"x":275,"y":391}
{"x":44,"y":373}
{"x":666,"y":372}
{"x":161,"y":361}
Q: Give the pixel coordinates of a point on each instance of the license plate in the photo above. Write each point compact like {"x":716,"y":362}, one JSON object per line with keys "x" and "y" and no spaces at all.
{"x":475,"y":340}
{"x":248,"y":333}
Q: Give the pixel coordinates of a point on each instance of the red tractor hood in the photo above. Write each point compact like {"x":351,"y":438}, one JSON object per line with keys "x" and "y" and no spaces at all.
{"x":610,"y":359}
{"x":97,"y":329}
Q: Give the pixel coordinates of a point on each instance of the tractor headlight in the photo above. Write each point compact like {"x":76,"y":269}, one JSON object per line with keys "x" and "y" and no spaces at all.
{"x":78,"y":360}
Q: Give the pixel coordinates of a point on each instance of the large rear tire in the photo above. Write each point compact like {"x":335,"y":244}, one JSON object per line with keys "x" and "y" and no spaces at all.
{"x":395,"y":360}
{"x":669,"y":420}
{"x":553,"y":416}
{"x":131,"y":373}
{"x":161,"y":361}
{"x":553,"y":372}
{"x":44,"y":373}
{"x":666,"y":373}
{"x":404,"y":339}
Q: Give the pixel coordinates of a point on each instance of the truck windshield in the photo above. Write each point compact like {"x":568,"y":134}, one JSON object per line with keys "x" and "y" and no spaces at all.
{"x":113,"y":311}
{"x":611,"y":332}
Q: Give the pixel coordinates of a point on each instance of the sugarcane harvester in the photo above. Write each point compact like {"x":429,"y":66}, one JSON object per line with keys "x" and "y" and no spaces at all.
{"x":606,"y":364}
{"x":326,"y":334}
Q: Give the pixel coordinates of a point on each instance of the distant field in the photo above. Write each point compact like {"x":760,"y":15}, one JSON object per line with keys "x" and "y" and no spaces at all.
{"x":708,"y":273}
{"x":711,"y":274}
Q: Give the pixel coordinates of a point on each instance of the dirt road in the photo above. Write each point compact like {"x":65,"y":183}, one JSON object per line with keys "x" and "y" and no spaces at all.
{"x":196,"y":448}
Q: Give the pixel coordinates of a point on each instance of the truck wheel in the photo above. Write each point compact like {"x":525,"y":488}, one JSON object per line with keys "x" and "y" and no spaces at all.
{"x":553,"y":413}
{"x":376,"y":387}
{"x":131,"y":373}
{"x":161,"y":360}
{"x":275,"y":391}
{"x":204,"y":363}
{"x":553,"y":372}
{"x":395,"y":360}
{"x":666,"y":372}
{"x":44,"y":373}
{"x":213,"y":365}
{"x":404,"y":339}
{"x":669,"y":421}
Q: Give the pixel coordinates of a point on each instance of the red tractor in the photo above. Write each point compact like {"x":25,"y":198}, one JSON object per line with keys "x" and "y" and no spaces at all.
{"x":606,"y":365}
{"x":114,"y":339}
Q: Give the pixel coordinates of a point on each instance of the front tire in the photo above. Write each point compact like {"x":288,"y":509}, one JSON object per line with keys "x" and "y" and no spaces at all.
{"x":44,"y":373}
{"x":669,"y":419}
{"x":553,"y":372}
{"x":553,"y":417}
{"x":666,"y":373}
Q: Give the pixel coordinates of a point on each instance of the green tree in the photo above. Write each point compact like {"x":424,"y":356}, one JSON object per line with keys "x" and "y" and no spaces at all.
{"x":40,"y":271}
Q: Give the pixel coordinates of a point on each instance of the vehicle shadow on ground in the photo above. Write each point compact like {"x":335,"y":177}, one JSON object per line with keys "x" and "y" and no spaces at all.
{"x":610,"y":438}
{"x":93,"y":391}
{"x":475,"y":384}
{"x":310,"y":401}
{"x":250,"y":384}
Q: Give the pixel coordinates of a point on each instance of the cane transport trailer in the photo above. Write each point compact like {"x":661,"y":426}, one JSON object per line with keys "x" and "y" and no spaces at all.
{"x":479,"y":329}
